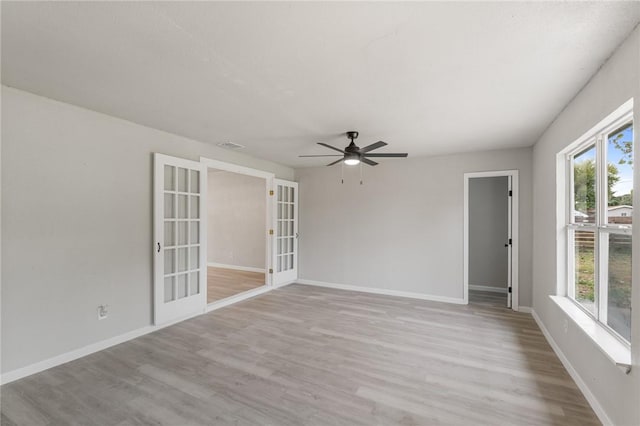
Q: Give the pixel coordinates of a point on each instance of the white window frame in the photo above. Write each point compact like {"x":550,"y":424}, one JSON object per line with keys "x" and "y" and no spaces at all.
{"x":598,"y":137}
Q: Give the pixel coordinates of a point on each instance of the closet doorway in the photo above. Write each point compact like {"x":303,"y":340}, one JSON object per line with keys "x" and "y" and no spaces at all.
{"x":491,"y":238}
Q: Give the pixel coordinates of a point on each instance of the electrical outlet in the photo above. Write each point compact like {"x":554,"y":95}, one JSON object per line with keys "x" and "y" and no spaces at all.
{"x":565,"y":326}
{"x":103,"y":312}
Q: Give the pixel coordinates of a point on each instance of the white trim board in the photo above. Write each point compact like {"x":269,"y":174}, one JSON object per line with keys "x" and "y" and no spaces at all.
{"x":236,"y":267}
{"x":525,"y":309}
{"x":590,"y":397}
{"x":235,"y":168}
{"x":383,"y":291}
{"x":37,"y":367}
{"x":72,"y":355}
{"x":488,"y":288}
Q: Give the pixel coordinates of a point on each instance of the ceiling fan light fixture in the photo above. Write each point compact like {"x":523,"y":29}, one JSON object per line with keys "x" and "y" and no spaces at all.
{"x":351,"y":160}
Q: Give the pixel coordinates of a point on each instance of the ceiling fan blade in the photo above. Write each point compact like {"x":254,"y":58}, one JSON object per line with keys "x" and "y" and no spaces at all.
{"x":389,"y":154}
{"x":373,"y":146}
{"x":331,"y":147}
{"x":335,"y":162}
{"x":369,"y":162}
{"x":329,"y":155}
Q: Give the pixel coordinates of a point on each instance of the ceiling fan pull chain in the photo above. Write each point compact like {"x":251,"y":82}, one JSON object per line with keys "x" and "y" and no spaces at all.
{"x":342,"y":169}
{"x":361,"y":173}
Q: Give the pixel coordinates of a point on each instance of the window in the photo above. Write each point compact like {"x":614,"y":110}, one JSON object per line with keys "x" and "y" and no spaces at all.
{"x":599,"y":224}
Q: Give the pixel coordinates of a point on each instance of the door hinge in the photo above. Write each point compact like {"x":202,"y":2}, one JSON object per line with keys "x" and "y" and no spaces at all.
{"x":271,"y":192}
{"x":510,"y":241}
{"x":509,"y":289}
{"x":270,"y":271}
{"x":510,"y":193}
{"x":270,"y":231}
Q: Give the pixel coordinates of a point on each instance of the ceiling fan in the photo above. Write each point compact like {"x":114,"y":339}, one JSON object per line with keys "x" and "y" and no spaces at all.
{"x":353,"y":154}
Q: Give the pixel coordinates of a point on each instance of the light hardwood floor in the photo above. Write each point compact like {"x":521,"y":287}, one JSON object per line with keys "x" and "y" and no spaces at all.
{"x":305,"y":355}
{"x":223,"y":282}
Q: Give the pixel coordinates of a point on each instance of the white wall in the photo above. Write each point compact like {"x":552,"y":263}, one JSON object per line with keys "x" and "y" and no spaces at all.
{"x":77,"y":223}
{"x":403,"y":229}
{"x":616,"y":82}
{"x":236,"y":227}
{"x":488,"y":231}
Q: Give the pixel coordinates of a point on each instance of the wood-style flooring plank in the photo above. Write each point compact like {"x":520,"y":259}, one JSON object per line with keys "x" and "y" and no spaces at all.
{"x":223,"y":282}
{"x":303,"y":355}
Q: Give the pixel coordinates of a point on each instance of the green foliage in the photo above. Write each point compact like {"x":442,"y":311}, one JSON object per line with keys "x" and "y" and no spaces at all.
{"x":585,"y":272}
{"x":626,"y":146}
{"x":584,"y":180}
{"x":623,"y":200}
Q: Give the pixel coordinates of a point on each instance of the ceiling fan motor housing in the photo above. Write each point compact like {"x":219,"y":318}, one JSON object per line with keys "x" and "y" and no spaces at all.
{"x":352,"y":148}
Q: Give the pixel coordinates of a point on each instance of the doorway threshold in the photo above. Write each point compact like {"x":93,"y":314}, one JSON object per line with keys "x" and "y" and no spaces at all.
{"x":238,"y":297}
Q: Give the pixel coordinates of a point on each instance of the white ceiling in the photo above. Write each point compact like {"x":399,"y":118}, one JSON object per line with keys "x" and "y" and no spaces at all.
{"x":429,"y":78}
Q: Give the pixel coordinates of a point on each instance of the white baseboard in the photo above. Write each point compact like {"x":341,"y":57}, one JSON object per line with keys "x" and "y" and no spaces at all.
{"x":37,"y":367}
{"x":488,"y":288}
{"x":591,"y":399}
{"x":525,"y":309}
{"x":387,"y":292}
{"x":236,"y":267}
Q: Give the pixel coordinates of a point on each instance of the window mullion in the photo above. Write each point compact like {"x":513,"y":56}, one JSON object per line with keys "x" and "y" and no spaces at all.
{"x":601,"y":268}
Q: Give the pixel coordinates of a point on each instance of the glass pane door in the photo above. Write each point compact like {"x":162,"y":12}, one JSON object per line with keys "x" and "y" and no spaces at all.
{"x":180,"y":274}
{"x":286,"y":232}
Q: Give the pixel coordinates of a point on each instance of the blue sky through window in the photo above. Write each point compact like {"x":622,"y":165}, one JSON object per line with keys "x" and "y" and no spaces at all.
{"x":625,"y":171}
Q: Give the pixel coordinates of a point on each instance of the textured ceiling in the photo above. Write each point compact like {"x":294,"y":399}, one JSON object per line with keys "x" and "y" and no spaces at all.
{"x":429,"y":78}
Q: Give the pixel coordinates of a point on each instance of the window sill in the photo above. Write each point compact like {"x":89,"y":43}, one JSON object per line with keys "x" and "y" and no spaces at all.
{"x":614,"y":349}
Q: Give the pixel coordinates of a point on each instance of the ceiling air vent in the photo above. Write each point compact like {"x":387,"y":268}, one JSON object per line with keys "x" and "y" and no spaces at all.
{"x":230,"y":145}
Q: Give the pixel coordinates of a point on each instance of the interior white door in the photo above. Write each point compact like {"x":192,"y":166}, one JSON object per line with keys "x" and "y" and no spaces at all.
{"x":510,"y":244}
{"x":180,"y":274}
{"x":285,"y":243}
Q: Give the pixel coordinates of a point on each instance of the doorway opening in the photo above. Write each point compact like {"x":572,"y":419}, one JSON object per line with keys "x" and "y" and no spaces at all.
{"x":237,"y":260}
{"x":250,"y":249}
{"x":490,"y":238}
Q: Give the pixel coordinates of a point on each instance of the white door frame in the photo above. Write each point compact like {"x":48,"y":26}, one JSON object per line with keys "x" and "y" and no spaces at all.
{"x":269,"y":178}
{"x":514,"y":231}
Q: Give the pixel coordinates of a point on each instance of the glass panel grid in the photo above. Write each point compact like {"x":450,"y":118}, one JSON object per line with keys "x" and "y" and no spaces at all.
{"x":181,"y":233}
{"x":600,"y":241}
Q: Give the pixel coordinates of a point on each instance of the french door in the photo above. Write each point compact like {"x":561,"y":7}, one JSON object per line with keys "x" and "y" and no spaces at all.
{"x":180,"y":274}
{"x":285,"y":243}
